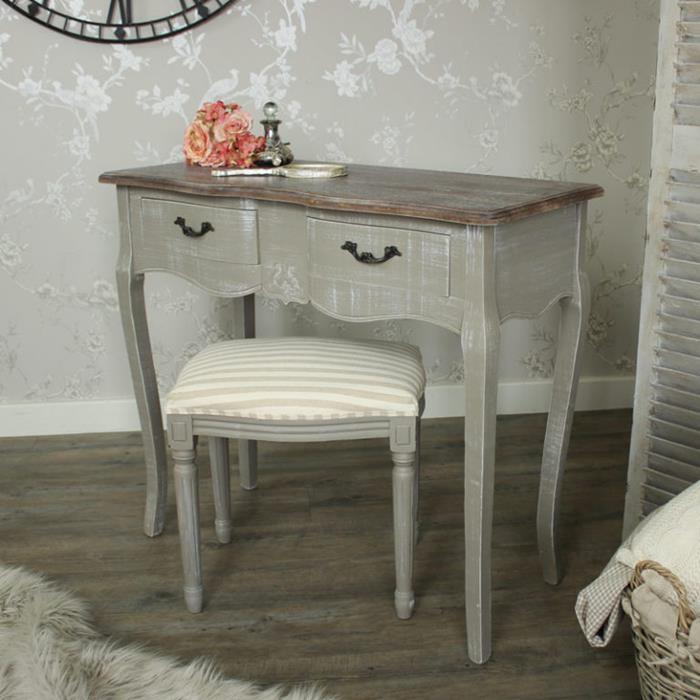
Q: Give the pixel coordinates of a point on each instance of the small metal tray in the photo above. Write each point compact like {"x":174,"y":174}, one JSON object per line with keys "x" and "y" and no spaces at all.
{"x":295,"y":170}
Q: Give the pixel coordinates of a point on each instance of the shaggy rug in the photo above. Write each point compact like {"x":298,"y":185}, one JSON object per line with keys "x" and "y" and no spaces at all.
{"x":49,"y":650}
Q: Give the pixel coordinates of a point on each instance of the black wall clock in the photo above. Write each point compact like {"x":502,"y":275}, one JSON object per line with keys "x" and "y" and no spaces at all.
{"x":120,"y":21}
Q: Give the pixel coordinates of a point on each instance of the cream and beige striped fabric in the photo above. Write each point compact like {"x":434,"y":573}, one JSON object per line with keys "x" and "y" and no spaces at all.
{"x":300,"y":379}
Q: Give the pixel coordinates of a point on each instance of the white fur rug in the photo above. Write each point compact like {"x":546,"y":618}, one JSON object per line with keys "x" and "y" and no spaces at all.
{"x":50,"y":651}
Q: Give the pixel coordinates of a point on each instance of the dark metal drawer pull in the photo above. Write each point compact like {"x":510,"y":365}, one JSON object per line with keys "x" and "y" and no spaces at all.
{"x":389,"y":252}
{"x":189,"y":231}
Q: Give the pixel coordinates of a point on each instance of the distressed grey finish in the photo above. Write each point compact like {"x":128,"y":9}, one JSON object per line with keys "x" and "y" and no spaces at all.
{"x":419,"y":284}
{"x":247,"y":449}
{"x":404,"y":498}
{"x":574,"y":314}
{"x":216,"y":244}
{"x":183,"y":431}
{"x":467,"y":264}
{"x":187,"y":493}
{"x":159,"y":244}
{"x":480,"y":343}
{"x":133,"y":314}
{"x":183,"y":443}
{"x":665,"y":447}
{"x":221,"y":486}
{"x":416,"y":486}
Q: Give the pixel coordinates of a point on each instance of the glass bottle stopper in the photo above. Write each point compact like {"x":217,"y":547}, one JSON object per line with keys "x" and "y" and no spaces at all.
{"x":270,"y":110}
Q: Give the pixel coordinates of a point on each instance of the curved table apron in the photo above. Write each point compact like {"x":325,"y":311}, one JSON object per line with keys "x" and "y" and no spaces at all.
{"x":470,"y":251}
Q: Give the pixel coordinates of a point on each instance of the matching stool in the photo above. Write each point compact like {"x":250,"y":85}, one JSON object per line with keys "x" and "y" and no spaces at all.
{"x":295,"y":390}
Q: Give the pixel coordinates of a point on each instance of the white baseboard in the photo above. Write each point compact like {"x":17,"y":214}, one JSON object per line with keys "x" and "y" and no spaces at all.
{"x":532,"y":396}
{"x":120,"y":415}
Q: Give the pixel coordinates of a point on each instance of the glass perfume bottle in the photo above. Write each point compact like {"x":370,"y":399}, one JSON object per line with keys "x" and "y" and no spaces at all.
{"x":276,"y":151}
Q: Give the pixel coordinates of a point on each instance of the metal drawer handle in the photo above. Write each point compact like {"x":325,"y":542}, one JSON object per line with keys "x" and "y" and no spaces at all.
{"x":389,"y":252}
{"x":189,"y":231}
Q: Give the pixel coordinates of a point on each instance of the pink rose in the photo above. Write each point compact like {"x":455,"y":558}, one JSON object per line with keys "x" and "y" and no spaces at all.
{"x":197,"y":146}
{"x":219,"y":157}
{"x":230,"y":125}
{"x":248,"y":144}
{"x":211,"y":111}
{"x":220,"y":136}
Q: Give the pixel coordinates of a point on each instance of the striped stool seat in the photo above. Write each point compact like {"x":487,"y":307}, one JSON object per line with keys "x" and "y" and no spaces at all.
{"x":300,"y":379}
{"x":294,"y":390}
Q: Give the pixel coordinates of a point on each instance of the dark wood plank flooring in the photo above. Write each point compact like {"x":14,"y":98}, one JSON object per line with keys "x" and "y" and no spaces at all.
{"x":305,"y":590}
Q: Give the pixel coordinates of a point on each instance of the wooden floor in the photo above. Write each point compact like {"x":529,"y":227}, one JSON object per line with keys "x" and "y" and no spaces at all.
{"x":305,"y":590}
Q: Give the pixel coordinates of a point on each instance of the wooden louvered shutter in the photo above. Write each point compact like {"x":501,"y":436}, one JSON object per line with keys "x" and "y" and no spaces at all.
{"x":665,"y":450}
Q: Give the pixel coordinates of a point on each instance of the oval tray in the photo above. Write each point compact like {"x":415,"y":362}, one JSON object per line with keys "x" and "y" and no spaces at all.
{"x":294,"y":170}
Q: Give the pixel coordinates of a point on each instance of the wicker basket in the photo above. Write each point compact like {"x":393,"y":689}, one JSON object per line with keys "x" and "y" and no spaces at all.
{"x":667,"y":671}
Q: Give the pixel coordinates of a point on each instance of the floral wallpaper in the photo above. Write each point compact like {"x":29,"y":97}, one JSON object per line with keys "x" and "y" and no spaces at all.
{"x":541,"y":88}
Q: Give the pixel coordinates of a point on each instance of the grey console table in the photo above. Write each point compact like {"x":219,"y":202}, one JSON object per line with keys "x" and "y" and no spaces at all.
{"x":474,"y":251}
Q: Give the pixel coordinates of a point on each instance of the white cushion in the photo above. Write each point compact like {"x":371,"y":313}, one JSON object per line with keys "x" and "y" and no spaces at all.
{"x":300,"y":379}
{"x":670,"y":536}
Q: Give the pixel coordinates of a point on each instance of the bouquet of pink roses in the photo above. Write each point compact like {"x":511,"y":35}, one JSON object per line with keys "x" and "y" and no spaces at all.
{"x":220,"y":137}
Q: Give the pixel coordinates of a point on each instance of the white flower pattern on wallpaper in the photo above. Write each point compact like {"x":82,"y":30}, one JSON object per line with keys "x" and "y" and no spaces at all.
{"x":603,"y":117}
{"x":383,"y":81}
{"x":85,"y":97}
{"x":409,"y":46}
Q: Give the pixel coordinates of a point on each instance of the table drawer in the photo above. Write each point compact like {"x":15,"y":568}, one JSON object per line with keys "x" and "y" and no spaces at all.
{"x":223,"y":234}
{"x":347,"y":286}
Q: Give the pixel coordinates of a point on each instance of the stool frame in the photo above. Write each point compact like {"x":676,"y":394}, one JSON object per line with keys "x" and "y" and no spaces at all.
{"x":403,"y":433}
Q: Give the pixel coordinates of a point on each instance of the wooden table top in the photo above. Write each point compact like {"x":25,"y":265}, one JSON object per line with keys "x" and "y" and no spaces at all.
{"x":425,"y":194}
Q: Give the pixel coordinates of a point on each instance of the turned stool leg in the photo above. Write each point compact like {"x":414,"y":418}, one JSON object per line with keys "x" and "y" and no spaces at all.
{"x":187,"y":495}
{"x":221,"y":486}
{"x":404,"y":479}
{"x":416,"y":487}
{"x":248,"y":464}
{"x":247,"y":449}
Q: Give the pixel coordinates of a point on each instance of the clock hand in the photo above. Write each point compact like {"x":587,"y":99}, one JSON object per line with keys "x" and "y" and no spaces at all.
{"x":124,"y":11}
